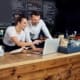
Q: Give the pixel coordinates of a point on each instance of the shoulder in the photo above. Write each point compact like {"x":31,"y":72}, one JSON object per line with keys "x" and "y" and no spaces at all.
{"x":11,"y":31}
{"x":10,"y":28}
{"x":41,"y":21}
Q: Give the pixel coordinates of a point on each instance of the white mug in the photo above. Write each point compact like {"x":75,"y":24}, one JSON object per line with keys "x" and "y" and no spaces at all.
{"x":1,"y":50}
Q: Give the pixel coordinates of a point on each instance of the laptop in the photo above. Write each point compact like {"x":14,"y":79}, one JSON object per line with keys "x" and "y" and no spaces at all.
{"x":51,"y":46}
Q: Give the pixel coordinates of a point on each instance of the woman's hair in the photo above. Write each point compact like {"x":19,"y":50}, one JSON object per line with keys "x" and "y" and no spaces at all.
{"x":19,"y":18}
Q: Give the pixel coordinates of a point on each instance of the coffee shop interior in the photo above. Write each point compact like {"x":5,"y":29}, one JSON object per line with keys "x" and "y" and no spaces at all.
{"x":60,"y":16}
{"x":62,"y":19}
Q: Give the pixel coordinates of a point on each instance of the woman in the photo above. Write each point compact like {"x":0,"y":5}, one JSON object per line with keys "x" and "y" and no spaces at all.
{"x":15,"y":37}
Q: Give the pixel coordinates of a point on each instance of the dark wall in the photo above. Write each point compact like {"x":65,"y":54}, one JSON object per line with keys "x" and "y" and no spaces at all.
{"x":5,"y":12}
{"x":68,"y":17}
{"x":11,"y":7}
{"x":61,"y":16}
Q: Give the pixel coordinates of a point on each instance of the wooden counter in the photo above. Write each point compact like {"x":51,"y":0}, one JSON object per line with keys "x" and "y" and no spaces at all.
{"x":26,"y":66}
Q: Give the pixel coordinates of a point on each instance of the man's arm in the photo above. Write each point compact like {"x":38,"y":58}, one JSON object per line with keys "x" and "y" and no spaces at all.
{"x":24,"y":44}
{"x":45,"y":30}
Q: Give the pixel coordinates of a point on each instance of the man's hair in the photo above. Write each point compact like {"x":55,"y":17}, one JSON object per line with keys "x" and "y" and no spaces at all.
{"x":37,"y":13}
{"x":19,"y":19}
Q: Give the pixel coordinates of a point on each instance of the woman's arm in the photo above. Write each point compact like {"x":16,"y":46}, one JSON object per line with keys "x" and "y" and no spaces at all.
{"x":23,"y":44}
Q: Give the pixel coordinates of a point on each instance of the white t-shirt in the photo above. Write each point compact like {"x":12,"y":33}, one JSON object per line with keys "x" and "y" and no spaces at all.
{"x":11,"y":32}
{"x":32,"y":32}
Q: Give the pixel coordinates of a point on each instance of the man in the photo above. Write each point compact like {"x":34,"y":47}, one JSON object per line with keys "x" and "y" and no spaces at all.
{"x":35,"y":28}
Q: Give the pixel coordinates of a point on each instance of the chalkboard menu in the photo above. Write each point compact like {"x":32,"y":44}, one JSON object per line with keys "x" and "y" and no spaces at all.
{"x":46,"y":7}
{"x":49,"y":11}
{"x":17,"y":6}
{"x":33,"y":5}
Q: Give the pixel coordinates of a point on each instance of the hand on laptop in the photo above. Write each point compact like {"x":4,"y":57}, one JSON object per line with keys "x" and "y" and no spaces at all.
{"x":37,"y":42}
{"x":37,"y":49}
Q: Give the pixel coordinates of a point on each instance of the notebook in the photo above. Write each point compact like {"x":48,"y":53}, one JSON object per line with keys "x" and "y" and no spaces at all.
{"x":51,"y":46}
{"x":18,"y":50}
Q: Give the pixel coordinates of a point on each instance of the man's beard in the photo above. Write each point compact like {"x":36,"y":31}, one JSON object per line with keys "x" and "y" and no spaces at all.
{"x":34,"y":24}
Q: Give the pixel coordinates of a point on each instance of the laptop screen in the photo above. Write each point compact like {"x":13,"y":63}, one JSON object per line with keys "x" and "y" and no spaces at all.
{"x":51,"y":46}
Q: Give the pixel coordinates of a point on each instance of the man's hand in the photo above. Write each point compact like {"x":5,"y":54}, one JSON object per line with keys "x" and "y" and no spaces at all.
{"x":37,"y":49}
{"x":37,"y":42}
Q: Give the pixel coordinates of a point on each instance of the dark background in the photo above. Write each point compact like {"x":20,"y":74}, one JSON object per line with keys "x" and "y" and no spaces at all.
{"x":63,"y":16}
{"x":68,"y":18}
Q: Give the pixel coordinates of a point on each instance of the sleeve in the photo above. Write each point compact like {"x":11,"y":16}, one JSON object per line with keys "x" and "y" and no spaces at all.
{"x":11,"y":32}
{"x":27,"y":34}
{"x":45,"y":30}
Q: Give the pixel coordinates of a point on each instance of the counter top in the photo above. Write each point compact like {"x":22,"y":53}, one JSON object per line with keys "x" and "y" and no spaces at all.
{"x":13,"y":60}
